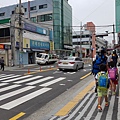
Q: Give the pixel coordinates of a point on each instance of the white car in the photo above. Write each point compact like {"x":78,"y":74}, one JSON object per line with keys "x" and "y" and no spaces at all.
{"x":73,"y":63}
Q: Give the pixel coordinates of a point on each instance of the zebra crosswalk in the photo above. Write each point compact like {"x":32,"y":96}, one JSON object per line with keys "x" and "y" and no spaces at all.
{"x":86,"y":109}
{"x":25,"y":87}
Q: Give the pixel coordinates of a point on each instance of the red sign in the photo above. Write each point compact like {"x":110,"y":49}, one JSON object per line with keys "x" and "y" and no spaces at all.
{"x":1,"y":46}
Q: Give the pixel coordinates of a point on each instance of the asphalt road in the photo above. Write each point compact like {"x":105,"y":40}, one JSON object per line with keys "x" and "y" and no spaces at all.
{"x":23,"y":91}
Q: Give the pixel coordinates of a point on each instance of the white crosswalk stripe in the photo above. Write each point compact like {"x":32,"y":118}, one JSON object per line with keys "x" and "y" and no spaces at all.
{"x":29,"y":79}
{"x":24,"y":86}
{"x":2,"y":76}
{"x":2,"y":84}
{"x":9,"y":77}
{"x":52,"y":82}
{"x":39,"y":81}
{"x":9,"y":87}
{"x":24,"y":99}
{"x":10,"y":94}
{"x":11,"y":80}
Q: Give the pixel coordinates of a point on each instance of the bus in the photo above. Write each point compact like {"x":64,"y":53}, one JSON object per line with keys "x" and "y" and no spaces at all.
{"x":44,"y":58}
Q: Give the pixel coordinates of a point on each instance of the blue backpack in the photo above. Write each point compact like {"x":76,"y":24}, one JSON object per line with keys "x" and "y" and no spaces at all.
{"x":96,"y":64}
{"x":103,"y":81}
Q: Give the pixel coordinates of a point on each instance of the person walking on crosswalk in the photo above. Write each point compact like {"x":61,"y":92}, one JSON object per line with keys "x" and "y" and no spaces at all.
{"x":102,"y":79}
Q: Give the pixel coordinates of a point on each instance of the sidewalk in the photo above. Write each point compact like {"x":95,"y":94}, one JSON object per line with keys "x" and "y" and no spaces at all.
{"x":17,"y":67}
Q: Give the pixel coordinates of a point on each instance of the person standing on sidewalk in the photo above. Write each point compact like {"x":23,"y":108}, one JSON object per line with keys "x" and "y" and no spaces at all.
{"x":2,"y":64}
{"x":100,"y":59}
{"x":103,"y":84}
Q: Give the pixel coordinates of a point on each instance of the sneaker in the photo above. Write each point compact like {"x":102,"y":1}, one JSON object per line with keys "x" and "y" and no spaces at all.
{"x":99,"y":108}
{"x":106,"y":104}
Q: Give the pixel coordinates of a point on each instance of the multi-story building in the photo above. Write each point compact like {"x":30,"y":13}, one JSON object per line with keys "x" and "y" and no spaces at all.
{"x":51,"y":15}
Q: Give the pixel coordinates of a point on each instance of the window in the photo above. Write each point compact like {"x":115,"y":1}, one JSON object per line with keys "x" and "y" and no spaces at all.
{"x":13,"y":12}
{"x":2,"y":14}
{"x":42,"y":6}
{"x":33,"y":8}
{"x":43,"y":18}
{"x":25,"y":9}
{"x":33,"y":19}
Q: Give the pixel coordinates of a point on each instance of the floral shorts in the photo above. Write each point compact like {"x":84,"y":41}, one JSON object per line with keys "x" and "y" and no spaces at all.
{"x":101,"y":92}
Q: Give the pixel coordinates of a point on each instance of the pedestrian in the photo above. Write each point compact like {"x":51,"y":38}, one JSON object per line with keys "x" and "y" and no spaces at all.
{"x":2,"y":64}
{"x":100,"y":59}
{"x":109,"y":58}
{"x":115,"y":57}
{"x":102,"y":80}
{"x":113,"y":74}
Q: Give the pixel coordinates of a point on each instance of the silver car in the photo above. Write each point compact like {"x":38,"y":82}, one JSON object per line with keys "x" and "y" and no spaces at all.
{"x":73,"y":63}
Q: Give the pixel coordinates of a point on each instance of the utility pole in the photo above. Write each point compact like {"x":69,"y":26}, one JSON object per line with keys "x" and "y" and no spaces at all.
{"x":20,"y":38}
{"x":80,"y":39}
{"x":114,"y":34}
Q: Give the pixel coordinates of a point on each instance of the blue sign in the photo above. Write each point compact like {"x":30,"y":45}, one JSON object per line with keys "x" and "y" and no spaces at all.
{"x":39,"y":45}
{"x":41,"y":31}
{"x":30,"y":27}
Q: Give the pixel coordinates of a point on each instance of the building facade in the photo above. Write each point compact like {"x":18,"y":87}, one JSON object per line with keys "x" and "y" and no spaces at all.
{"x":43,"y":14}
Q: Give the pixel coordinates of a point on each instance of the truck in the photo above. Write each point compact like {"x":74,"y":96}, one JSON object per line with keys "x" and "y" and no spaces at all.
{"x":44,"y":58}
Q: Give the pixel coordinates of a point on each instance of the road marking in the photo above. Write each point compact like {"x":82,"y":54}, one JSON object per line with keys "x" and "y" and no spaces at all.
{"x":9,"y":77}
{"x":16,"y":92}
{"x":62,"y":84}
{"x":69,"y":106}
{"x":9,"y":87}
{"x":17,"y":78}
{"x":52,"y":82}
{"x":85,"y":76}
{"x":39,"y":81}
{"x":24,"y":99}
{"x":29,"y":79}
{"x":2,"y":84}
{"x":40,"y":71}
{"x":1,"y":76}
{"x":17,"y":116}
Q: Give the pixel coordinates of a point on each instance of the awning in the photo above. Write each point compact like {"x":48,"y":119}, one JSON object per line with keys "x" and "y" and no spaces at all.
{"x":37,"y":50}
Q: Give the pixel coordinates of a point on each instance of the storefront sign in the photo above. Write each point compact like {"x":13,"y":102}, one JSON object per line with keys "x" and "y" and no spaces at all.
{"x":68,"y":47}
{"x":30,"y":27}
{"x":1,"y":46}
{"x":41,"y":31}
{"x":39,"y":45}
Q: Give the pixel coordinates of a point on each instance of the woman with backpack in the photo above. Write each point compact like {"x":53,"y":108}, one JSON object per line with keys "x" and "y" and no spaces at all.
{"x":113,"y":74}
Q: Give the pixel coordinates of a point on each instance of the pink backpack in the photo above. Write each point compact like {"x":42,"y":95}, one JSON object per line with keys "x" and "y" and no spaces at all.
{"x":112,"y":73}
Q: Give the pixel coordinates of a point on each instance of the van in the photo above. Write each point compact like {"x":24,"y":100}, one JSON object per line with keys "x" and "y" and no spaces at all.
{"x":44,"y":58}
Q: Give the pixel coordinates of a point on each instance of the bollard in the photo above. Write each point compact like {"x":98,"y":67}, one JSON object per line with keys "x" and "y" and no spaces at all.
{"x":28,"y":70}
{"x":40,"y":68}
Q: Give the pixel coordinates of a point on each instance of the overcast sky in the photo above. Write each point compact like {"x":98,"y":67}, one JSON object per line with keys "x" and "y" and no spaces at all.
{"x":100,"y":12}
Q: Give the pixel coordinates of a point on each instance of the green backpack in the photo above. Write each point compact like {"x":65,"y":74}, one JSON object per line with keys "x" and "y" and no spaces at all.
{"x":103,"y":81}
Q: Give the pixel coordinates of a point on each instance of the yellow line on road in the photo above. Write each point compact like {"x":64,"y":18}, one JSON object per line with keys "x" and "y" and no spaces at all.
{"x":69,"y":106}
{"x":40,"y":71}
{"x":85,"y":76}
{"x":17,"y":116}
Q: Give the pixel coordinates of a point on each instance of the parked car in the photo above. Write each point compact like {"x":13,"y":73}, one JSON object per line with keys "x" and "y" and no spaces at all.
{"x":73,"y":63}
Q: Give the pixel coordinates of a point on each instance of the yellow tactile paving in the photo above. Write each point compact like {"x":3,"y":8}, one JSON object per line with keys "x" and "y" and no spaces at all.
{"x":70,"y":105}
